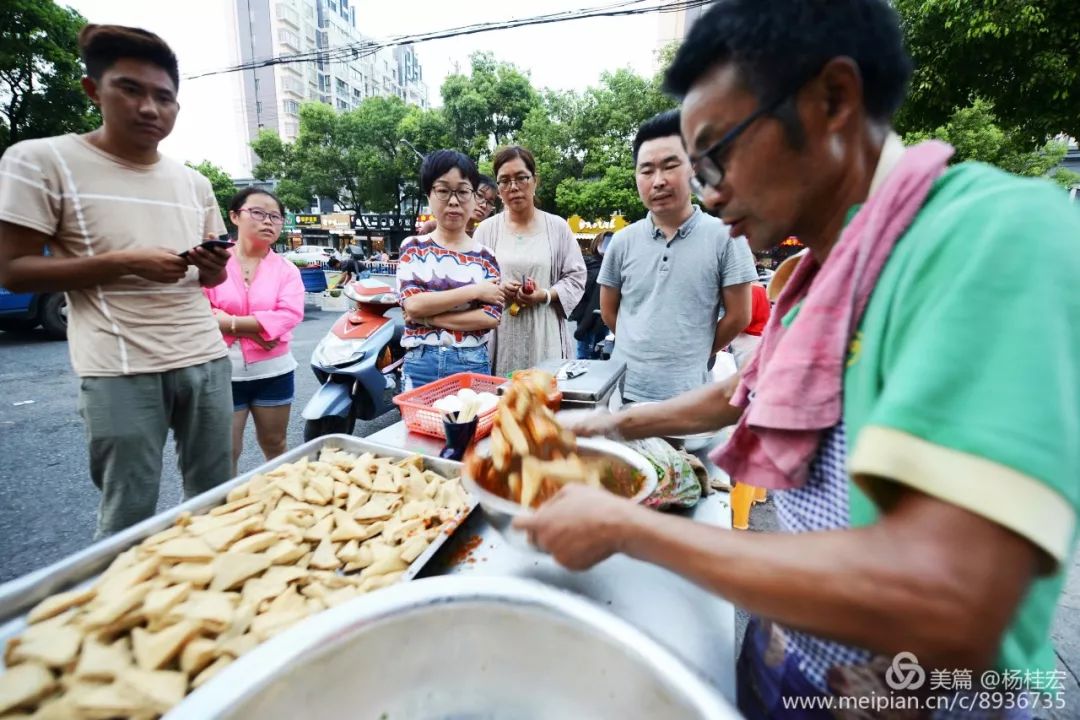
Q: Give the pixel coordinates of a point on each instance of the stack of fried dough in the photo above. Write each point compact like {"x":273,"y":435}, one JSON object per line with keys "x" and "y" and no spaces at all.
{"x":531,"y":456}
{"x":171,"y":612}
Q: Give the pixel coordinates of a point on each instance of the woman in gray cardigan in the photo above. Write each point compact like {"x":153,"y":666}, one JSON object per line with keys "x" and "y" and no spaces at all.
{"x":531,"y":245}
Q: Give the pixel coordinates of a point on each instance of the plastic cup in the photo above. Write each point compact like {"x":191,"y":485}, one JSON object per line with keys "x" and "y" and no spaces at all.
{"x":459,"y":437}
{"x":742,"y":497}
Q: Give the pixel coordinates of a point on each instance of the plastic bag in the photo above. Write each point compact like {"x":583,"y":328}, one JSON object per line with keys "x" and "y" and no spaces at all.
{"x":678,"y":484}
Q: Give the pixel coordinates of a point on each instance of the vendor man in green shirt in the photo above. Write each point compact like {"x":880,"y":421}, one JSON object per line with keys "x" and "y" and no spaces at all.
{"x":936,"y":514}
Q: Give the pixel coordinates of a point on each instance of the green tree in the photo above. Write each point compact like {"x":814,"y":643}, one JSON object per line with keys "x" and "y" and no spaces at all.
{"x":583,"y":144}
{"x":487,"y":107}
{"x":1019,"y":55}
{"x":601,"y":197}
{"x":40,"y":94}
{"x":977,"y":134}
{"x":549,"y":132}
{"x":357,"y":158}
{"x":223,"y":186}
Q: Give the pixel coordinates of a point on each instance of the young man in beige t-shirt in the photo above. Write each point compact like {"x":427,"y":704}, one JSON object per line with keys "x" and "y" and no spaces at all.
{"x":115,"y":216}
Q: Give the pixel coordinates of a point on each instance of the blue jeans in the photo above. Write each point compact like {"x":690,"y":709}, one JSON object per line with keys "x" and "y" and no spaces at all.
{"x":429,"y":363}
{"x":586,"y":349}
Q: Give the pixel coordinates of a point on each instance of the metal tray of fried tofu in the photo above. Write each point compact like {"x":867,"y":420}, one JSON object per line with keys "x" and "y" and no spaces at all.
{"x":18,"y":596}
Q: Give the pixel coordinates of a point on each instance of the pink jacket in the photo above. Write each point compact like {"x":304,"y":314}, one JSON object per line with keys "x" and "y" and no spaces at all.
{"x":275,"y":299}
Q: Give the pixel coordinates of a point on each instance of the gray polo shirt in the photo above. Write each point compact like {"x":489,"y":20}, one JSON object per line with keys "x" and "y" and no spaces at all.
{"x":671,"y":300}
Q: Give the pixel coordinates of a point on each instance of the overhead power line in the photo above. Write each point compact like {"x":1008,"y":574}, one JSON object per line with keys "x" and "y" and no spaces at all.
{"x":367,"y":47}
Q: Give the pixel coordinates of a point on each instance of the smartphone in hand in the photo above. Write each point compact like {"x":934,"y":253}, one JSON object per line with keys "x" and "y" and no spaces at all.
{"x":223,"y":241}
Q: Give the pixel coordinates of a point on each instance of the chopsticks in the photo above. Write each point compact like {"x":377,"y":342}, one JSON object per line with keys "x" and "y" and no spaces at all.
{"x":466,"y":413}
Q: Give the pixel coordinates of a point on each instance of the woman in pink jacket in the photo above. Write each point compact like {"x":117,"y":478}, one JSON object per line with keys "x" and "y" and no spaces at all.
{"x":257,"y":307}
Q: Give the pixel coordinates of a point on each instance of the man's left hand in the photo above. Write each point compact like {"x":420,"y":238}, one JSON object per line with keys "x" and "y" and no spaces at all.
{"x":210,"y":263}
{"x":581,"y":526}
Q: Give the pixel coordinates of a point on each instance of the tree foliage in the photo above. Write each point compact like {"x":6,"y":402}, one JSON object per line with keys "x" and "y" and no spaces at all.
{"x":1018,"y":55}
{"x":356,"y":158}
{"x":581,"y":140}
{"x":40,"y":94}
{"x":976,"y":134}
{"x":487,"y":107}
{"x":223,"y":186}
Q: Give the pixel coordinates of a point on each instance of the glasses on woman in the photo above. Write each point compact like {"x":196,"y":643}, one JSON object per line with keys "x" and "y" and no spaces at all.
{"x":261,"y":215}
{"x":521,"y":180}
{"x":463,"y":195}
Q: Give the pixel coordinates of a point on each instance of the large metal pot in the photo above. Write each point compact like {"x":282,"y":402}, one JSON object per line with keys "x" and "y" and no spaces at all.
{"x":459,"y":647}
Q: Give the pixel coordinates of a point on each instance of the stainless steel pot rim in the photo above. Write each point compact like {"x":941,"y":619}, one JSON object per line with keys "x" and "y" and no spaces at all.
{"x":330,"y":628}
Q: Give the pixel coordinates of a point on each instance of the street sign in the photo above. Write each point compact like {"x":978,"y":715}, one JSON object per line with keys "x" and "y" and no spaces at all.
{"x":384,"y":223}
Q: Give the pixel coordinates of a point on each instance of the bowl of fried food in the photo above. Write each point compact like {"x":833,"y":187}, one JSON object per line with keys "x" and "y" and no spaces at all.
{"x":531,"y":457}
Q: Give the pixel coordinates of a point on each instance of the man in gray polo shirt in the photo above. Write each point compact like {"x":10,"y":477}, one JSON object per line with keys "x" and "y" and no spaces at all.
{"x":666,"y":279}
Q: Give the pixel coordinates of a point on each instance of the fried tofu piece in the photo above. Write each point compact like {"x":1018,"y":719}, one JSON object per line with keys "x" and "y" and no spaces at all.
{"x":286,"y":573}
{"x":237,"y":646}
{"x":254,"y":543}
{"x":56,"y":604}
{"x":161,"y":601}
{"x":198,"y":574}
{"x":118,"y":582}
{"x":263,"y":588}
{"x":286,"y":551}
{"x":380,"y":581}
{"x":346,"y":528}
{"x":102,"y":702}
{"x":153,"y":651}
{"x":213,"y":611}
{"x":197,"y":654}
{"x":320,"y":530}
{"x":292,"y":486}
{"x":269,"y":624}
{"x":232,"y":569}
{"x":102,"y":662}
{"x":222,"y":538}
{"x":325,"y":557}
{"x":106,"y":610}
{"x":185,"y":549}
{"x":413,"y":548}
{"x":157,"y":690}
{"x":234,"y":505}
{"x":23,"y":685}
{"x":381,"y":506}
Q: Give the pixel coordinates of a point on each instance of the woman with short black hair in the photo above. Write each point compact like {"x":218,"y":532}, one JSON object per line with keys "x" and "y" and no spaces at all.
{"x":449,"y":283}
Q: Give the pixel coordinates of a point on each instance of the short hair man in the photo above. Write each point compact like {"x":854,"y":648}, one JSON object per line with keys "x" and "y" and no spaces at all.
{"x":667,"y":278}
{"x":936,"y":514}
{"x":116,"y":215}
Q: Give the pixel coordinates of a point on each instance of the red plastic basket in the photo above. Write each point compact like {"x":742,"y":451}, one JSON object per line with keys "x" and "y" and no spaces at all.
{"x":421,"y":417}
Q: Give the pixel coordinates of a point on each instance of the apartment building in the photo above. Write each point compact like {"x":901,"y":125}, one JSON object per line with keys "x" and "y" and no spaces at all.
{"x":337,"y":64}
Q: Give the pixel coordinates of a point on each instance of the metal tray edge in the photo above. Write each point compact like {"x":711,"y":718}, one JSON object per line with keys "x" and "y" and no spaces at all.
{"x":21,"y":594}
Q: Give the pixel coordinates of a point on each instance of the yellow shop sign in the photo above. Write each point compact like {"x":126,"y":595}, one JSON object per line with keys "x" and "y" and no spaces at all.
{"x":591,"y":227}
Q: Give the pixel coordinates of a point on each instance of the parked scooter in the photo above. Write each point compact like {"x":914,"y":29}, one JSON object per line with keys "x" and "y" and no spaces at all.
{"x":358,"y":362}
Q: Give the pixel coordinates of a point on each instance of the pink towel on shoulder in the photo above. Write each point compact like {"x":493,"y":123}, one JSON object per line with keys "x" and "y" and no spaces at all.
{"x":794,"y":384}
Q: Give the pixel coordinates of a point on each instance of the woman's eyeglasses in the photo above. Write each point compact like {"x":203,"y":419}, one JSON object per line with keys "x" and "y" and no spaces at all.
{"x":261,"y":215}
{"x":522,"y":180}
{"x":463,"y":195}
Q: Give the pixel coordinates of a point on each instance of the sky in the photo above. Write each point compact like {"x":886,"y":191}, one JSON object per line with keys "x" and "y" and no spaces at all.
{"x":569,"y":55}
